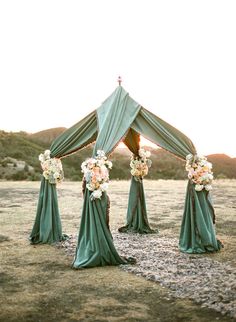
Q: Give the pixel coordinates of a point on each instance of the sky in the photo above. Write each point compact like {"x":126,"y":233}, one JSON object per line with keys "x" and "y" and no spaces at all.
{"x":59,"y":60}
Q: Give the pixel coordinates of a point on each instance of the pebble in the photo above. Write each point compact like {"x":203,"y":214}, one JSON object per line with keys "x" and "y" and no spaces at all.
{"x":201,"y":279}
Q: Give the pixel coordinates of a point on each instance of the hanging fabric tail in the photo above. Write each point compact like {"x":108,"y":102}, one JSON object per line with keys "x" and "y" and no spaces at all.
{"x":95,"y":244}
{"x":197,"y":230}
{"x":136,"y":219}
{"x":47,"y":225}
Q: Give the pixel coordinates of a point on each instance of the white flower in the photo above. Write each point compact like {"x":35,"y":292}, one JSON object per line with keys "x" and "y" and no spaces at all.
{"x":89,"y":187}
{"x":56,"y":175}
{"x":209,"y":164}
{"x":210,"y":176}
{"x":47,"y":154}
{"x":143,"y":153}
{"x":96,"y":194}
{"x":208,"y":187}
{"x":104,"y":186}
{"x":100,"y":153}
{"x":190,"y":175}
{"x":109,"y":164}
{"x":199,"y":187}
{"x":41,"y":157}
{"x":189,"y":157}
{"x":203,"y":163}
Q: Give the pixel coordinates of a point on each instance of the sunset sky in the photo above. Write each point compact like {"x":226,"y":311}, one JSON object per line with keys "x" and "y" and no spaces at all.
{"x":59,"y":60}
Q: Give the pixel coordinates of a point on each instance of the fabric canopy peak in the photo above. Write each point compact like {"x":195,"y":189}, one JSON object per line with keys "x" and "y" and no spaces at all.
{"x":116,"y":120}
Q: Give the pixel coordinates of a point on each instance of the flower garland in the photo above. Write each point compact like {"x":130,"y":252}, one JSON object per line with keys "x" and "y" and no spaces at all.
{"x":52,"y":168}
{"x":199,"y":172}
{"x":140,"y":164}
{"x":96,"y":174}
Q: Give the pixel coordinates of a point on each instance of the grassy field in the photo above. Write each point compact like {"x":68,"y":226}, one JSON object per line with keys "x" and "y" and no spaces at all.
{"x":38,"y":284}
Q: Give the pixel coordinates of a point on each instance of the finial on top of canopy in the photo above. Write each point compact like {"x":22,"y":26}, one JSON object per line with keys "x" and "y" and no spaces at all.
{"x":119,"y":80}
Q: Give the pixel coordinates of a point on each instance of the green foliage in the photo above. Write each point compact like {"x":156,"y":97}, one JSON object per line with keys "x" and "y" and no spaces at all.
{"x":26,"y":147}
{"x":19,"y":175}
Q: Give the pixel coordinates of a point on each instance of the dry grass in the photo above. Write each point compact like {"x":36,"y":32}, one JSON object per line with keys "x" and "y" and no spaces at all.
{"x":37,"y":283}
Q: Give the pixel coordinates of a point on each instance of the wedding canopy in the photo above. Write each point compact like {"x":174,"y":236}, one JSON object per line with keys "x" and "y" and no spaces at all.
{"x":120,"y":118}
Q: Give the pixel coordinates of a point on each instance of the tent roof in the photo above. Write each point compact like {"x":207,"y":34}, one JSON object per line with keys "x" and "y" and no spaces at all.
{"x":119,"y":118}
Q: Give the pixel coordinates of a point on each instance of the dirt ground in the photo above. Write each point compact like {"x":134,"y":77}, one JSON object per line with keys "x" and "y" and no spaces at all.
{"x":38,"y":284}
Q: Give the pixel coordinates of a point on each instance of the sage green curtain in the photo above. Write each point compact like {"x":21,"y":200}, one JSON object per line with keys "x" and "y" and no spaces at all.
{"x":95,"y":245}
{"x":47,"y":226}
{"x":163,"y":134}
{"x":197,"y":231}
{"x":136,"y":217}
{"x":115,"y":116}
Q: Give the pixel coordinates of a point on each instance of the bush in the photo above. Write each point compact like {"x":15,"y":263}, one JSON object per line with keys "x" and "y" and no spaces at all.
{"x":20,"y":175}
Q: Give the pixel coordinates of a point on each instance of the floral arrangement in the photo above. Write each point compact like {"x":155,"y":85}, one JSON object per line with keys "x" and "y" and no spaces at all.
{"x":96,"y":174}
{"x":199,"y":172}
{"x":140,"y":164}
{"x":52,"y":168}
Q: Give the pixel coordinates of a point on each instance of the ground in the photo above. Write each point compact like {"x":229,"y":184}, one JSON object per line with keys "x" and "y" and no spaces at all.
{"x":38,"y":284}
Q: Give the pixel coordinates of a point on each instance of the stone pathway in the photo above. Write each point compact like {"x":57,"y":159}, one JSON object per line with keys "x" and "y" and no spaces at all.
{"x":196,"y":277}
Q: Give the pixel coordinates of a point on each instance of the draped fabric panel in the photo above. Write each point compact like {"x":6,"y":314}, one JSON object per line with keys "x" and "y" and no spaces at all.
{"x":95,"y":245}
{"x":75,"y":138}
{"x":197,"y":233}
{"x":115,"y":116}
{"x":132,"y":141}
{"x":47,"y":225}
{"x":136,"y":217}
{"x":163,"y":134}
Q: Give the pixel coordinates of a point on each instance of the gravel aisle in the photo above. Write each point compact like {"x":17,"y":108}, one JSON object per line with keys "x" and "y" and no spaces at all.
{"x":196,"y":277}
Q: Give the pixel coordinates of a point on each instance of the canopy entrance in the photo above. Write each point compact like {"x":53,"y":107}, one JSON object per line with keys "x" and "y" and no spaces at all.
{"x":118,"y":119}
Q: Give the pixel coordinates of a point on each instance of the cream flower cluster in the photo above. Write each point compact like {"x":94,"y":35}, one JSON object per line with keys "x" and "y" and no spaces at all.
{"x":52,"y":168}
{"x":199,"y":172}
{"x":96,"y":174}
{"x":140,"y":164}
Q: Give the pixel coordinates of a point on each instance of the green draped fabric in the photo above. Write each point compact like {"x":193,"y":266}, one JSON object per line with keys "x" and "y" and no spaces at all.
{"x":115,"y":116}
{"x":95,"y":246}
{"x":132,"y":141}
{"x":197,"y":231}
{"x":75,"y":138}
{"x":163,"y":134}
{"x":136,"y":218}
{"x":196,"y":235}
{"x":47,"y":225}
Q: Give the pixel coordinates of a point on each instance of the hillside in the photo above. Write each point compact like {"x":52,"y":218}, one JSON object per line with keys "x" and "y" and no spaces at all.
{"x":47,"y":136}
{"x":19,"y":159}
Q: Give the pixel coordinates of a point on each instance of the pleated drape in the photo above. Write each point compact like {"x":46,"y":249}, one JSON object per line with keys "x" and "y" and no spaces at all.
{"x":47,"y":226}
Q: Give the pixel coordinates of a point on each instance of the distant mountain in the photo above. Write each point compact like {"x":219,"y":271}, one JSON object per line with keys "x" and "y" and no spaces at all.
{"x":223,"y":165}
{"x":47,"y":136}
{"x":19,"y":159}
